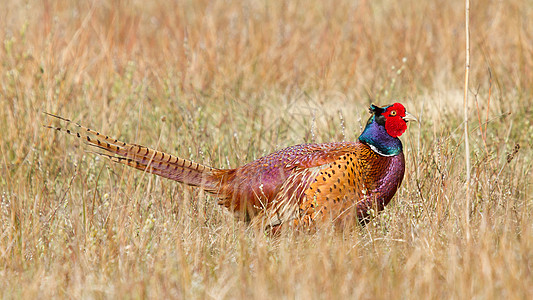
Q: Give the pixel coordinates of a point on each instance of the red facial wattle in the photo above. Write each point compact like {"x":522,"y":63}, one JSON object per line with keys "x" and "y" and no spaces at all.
{"x":395,"y":124}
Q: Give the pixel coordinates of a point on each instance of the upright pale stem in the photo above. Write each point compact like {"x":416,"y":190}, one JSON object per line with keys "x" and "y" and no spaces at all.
{"x":465,"y":110}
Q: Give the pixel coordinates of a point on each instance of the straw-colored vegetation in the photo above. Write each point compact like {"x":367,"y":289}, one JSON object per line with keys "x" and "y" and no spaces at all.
{"x":225,"y":82}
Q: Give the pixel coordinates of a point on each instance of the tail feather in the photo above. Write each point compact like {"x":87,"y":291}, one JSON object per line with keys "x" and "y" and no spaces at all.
{"x":146,"y":159}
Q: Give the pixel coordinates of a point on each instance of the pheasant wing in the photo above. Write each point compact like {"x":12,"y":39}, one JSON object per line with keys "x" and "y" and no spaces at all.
{"x":305,"y":170}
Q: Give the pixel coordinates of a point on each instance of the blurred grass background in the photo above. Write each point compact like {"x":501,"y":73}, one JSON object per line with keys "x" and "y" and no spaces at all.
{"x":225,"y":82}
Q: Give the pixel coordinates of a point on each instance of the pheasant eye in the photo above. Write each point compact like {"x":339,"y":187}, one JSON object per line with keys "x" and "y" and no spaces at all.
{"x":393,"y":113}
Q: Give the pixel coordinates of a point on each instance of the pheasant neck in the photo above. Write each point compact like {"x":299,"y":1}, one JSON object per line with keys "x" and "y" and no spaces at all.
{"x":377,"y":138}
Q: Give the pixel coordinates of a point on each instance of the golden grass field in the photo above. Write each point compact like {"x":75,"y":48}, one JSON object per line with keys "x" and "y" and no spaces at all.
{"x":226,"y":82}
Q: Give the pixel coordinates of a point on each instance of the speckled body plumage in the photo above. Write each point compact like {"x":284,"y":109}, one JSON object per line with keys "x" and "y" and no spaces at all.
{"x":299,"y":185}
{"x":307,"y":182}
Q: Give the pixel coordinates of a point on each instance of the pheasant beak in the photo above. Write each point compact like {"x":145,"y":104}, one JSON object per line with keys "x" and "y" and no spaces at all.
{"x":409,"y":117}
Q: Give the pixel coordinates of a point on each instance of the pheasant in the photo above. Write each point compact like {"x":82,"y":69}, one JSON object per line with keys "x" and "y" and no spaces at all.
{"x":302,"y":185}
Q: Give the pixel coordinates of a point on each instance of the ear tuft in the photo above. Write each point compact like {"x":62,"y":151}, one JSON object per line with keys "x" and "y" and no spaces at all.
{"x":374,"y":109}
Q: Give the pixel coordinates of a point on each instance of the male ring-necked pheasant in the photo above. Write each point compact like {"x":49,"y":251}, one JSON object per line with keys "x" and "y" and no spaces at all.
{"x":299,"y":185}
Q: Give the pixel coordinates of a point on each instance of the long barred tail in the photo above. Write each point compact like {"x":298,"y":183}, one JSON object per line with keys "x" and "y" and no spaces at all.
{"x":146,"y":159}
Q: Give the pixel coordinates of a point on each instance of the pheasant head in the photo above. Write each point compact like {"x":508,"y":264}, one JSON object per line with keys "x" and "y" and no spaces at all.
{"x":384,"y":127}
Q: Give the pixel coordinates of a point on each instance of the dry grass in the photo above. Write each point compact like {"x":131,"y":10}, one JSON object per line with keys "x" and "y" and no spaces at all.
{"x":224,"y":82}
